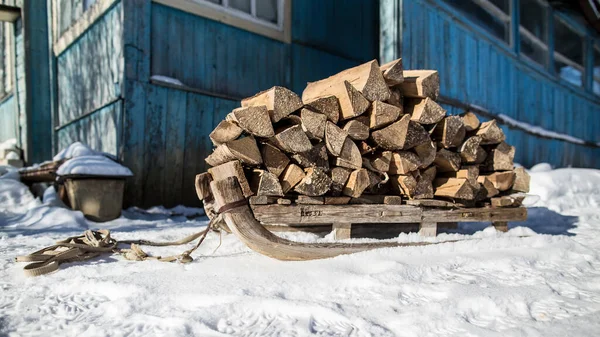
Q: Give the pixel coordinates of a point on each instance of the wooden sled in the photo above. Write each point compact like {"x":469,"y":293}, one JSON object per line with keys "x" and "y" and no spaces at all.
{"x":225,"y":199}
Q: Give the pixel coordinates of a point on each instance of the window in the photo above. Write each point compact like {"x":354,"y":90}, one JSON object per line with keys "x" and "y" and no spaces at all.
{"x":491,"y":15}
{"x":533,"y":30}
{"x":6,"y":58}
{"x":596,"y":71}
{"x":265,"y":12}
{"x":568,"y":53}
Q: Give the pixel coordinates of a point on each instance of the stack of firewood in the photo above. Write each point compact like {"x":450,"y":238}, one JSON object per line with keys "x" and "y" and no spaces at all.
{"x":368,"y":134}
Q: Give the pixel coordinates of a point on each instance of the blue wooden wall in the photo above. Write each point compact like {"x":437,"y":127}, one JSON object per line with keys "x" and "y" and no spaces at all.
{"x":475,"y":70}
{"x":8,"y":119}
{"x":165,"y":137}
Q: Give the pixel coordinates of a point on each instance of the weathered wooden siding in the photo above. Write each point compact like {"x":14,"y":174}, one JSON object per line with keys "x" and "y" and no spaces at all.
{"x":99,"y":130}
{"x":474,"y":70}
{"x":8,"y":119}
{"x":20,"y":89}
{"x":90,"y":71}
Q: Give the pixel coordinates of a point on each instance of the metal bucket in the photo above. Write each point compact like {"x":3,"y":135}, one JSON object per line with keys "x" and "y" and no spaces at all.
{"x":100,"y":199}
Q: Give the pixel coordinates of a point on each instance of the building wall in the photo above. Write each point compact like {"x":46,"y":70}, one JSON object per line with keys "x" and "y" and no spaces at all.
{"x":475,"y":70}
{"x":8,"y":119}
{"x":165,"y":138}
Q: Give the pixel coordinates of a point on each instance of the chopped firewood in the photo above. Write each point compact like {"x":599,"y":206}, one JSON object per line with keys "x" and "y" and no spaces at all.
{"x":392,"y":200}
{"x":329,"y":106}
{"x":286,"y":122}
{"x":313,"y":123}
{"x":266,"y":183}
{"x":503,"y":181}
{"x":421,"y":83}
{"x":284,"y":201}
{"x":424,"y":110}
{"x":424,"y":189}
{"x":225,"y":132}
{"x":488,"y":187}
{"x":291,"y":176}
{"x":232,"y":169}
{"x":522,"y":179}
{"x":505,"y":201}
{"x":337,"y":200}
{"x":358,"y":128}
{"x":366,"y":78}
{"x":368,"y":199}
{"x":262,"y":200}
{"x":292,"y":139}
{"x":308,"y":200}
{"x":470,"y":121}
{"x":471,"y":152}
{"x":357,"y":183}
{"x":392,"y":137}
{"x":315,"y":157}
{"x":454,"y":188}
{"x":315,"y":183}
{"x":334,"y":138}
{"x":350,"y":156}
{"x":404,"y":184}
{"x":404,"y":162}
{"x":339,"y":177}
{"x":352,"y":103}
{"x":279,"y":101}
{"x":382,"y":114}
{"x":393,"y":72}
{"x":396,"y":98}
{"x":447,"y":161}
{"x":243,"y":149}
{"x":275,"y":161}
{"x":471,"y":173}
{"x":490,"y":133}
{"x":380,"y":161}
{"x":254,"y":120}
{"x":500,"y":158}
{"x":365,"y":148}
{"x":202,"y":184}
{"x":431,"y":203}
{"x":426,"y":152}
{"x":415,"y":135}
{"x":450,"y":132}
{"x":374,"y":180}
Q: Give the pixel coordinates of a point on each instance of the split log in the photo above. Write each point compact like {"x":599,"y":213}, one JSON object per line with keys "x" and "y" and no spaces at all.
{"x":225,"y":132}
{"x":506,"y":201}
{"x":232,"y":169}
{"x":315,"y":183}
{"x":404,"y":184}
{"x":424,"y":189}
{"x":522,"y":179}
{"x":471,"y":173}
{"x":243,"y":149}
{"x":404,"y":162}
{"x":202,"y":184}
{"x":382,"y":114}
{"x":503,"y":181}
{"x":381,"y":161}
{"x":447,"y":161}
{"x":396,"y":98}
{"x":450,"y":132}
{"x":292,"y":139}
{"x":352,"y":103}
{"x":500,"y":158}
{"x":266,"y":184}
{"x":329,"y":106}
{"x":392,"y":137}
{"x":392,"y":200}
{"x":415,"y":135}
{"x":315,"y":157}
{"x":424,"y":110}
{"x":366,"y":78}
{"x":368,"y":199}
{"x":393,"y":72}
{"x":421,"y":83}
{"x":490,"y":133}
{"x":489,"y":190}
{"x":308,"y":200}
{"x":358,"y":128}
{"x":337,"y":200}
{"x":364,"y":148}
{"x":262,"y":200}
{"x":350,"y":156}
{"x":275,"y":161}
{"x":426,"y":152}
{"x":313,"y":123}
{"x":290,"y":177}
{"x":339,"y":177}
{"x":284,"y":201}
{"x":471,"y":152}
{"x":470,"y":121}
{"x":334,"y":138}
{"x":357,"y":183}
{"x":453,"y":188}
{"x":279,"y":101}
{"x":254,"y":120}
{"x":374,"y":181}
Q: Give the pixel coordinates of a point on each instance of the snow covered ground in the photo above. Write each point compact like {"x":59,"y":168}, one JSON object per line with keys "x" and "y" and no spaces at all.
{"x":501,"y":284}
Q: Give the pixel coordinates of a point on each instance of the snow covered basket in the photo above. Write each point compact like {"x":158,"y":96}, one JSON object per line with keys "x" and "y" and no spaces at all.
{"x":95,"y":185}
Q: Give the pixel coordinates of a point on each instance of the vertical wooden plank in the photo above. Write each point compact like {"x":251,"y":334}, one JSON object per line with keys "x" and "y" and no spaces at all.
{"x":155,"y":146}
{"x":175,"y":147}
{"x":134,"y":131}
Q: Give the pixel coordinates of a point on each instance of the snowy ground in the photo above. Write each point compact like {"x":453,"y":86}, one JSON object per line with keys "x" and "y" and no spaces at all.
{"x":501,"y":284}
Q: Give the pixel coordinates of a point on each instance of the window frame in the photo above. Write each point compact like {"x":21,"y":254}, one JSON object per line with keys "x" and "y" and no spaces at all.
{"x":556,"y":56}
{"x":240,"y":19}
{"x":595,"y":79}
{"x":522,"y":31}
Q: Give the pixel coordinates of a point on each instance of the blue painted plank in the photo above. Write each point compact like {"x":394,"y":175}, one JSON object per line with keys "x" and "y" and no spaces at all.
{"x":155,"y":146}
{"x":175,"y":147}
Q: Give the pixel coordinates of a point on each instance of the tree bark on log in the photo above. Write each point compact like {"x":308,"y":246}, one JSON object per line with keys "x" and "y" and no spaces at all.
{"x":279,"y":101}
